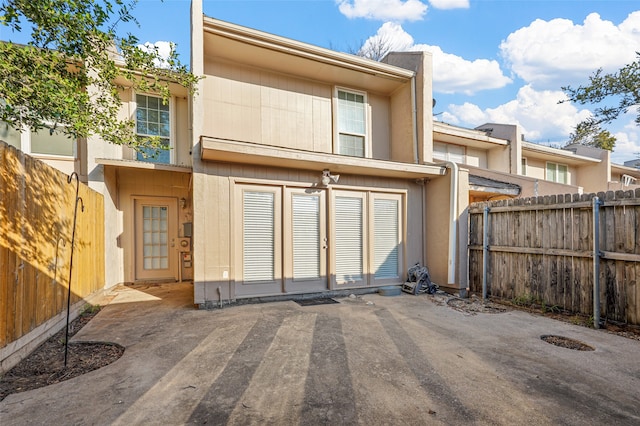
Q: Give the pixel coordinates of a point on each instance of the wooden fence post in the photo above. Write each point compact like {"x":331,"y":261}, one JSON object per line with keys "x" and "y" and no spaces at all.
{"x":596,"y":262}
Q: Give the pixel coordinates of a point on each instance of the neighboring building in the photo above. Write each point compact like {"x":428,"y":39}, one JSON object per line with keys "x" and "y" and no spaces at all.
{"x":499,"y":153}
{"x":54,"y":148}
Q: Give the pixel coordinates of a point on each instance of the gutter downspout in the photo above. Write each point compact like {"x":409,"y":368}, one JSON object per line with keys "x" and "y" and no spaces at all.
{"x":453,"y":227}
{"x":414,"y":112}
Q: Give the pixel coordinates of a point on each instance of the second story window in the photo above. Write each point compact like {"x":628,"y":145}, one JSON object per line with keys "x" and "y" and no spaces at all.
{"x":153,"y":118}
{"x":558,"y":173}
{"x":43,"y":142}
{"x":447,"y":152}
{"x":352,"y":123}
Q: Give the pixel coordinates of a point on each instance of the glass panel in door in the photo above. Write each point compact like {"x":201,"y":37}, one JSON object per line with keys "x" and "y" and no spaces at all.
{"x":156,"y":225}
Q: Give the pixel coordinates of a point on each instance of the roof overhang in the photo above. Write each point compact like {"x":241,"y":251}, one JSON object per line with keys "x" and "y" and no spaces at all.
{"x":492,"y":186}
{"x":141,"y":165}
{"x":556,"y":155}
{"x":631,"y":171}
{"x":230,"y":42}
{"x":447,"y":133}
{"x":229,"y":151}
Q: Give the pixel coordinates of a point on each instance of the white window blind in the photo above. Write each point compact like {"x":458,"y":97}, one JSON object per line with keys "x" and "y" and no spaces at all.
{"x":348,"y":239}
{"x":306,"y":236}
{"x":386,"y":238}
{"x":351,"y":123}
{"x":448,"y":152}
{"x":258,"y":236}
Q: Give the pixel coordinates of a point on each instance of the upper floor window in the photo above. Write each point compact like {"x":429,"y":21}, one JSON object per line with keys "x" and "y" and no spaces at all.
{"x":352,"y":123}
{"x":447,"y":152}
{"x":557,"y":173}
{"x":42,"y":142}
{"x":153,"y":118}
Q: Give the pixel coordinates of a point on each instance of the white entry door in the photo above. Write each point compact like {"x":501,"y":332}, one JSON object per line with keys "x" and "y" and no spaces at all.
{"x":155,"y":232}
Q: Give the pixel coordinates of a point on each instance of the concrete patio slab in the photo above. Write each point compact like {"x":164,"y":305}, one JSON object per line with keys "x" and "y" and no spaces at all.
{"x":369,"y":360}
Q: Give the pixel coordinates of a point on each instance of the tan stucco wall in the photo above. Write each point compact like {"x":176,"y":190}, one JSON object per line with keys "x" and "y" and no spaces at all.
{"x":380,"y":126}
{"x":476,"y":157}
{"x":254,"y":105}
{"x":422,"y":64}
{"x":215,"y":219}
{"x":402,"y":146}
{"x":124,"y":185}
{"x":509,"y":158}
{"x":499,"y":159}
{"x":258,"y":106}
{"x":438,"y":221}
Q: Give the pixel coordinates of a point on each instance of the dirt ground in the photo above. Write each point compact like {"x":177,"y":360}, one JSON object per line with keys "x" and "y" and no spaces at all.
{"x":45,"y":366}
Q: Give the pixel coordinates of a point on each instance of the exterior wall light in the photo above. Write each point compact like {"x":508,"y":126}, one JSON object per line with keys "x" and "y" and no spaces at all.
{"x":328,"y":178}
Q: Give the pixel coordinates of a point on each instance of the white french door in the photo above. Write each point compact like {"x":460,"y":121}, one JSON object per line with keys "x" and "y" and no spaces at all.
{"x":306,"y":248}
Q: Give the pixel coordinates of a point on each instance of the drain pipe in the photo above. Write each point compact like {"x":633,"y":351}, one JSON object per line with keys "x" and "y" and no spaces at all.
{"x":453,"y":212}
{"x":485,"y":250}
{"x":596,"y":262}
{"x":414,"y":112}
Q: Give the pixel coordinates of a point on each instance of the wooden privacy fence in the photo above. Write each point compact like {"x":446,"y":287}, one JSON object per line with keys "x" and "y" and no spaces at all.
{"x":543,"y":248}
{"x":36,"y":217}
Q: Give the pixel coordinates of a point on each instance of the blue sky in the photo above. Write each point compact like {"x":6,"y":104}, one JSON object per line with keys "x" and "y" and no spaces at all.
{"x":494,"y":60}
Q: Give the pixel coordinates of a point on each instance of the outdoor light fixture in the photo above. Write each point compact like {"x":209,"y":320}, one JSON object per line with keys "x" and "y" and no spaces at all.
{"x":328,"y":178}
{"x":183,"y":203}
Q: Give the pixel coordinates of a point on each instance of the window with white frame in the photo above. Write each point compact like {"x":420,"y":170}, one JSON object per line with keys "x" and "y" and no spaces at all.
{"x":352,"y":123}
{"x":557,"y":173}
{"x":153,"y":118}
{"x":41,"y":142}
{"x":448,"y":152}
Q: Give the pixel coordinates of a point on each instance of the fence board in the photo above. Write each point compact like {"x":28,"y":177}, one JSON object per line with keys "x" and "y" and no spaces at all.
{"x":543,"y":247}
{"x":36,"y":212}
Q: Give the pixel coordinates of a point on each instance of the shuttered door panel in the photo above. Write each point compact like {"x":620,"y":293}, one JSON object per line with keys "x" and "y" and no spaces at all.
{"x":386,"y":238}
{"x":306,"y":236}
{"x":258,"y":236}
{"x":348,"y":239}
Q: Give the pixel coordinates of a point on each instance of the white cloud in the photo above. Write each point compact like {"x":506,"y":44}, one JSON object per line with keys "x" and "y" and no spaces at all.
{"x":451,"y":73}
{"x":538,"y":112}
{"x":391,"y":36}
{"x":556,"y":53}
{"x":449,"y":4}
{"x":163,"y":48}
{"x":627,"y":140}
{"x":454,"y":74}
{"x":384,"y":10}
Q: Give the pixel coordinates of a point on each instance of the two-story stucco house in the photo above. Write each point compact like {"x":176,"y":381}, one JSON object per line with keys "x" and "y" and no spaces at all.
{"x":308,"y":171}
{"x":295,"y":169}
